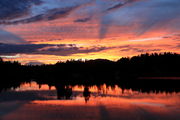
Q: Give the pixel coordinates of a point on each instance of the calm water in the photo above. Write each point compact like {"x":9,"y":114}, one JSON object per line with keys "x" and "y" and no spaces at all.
{"x":41,"y":102}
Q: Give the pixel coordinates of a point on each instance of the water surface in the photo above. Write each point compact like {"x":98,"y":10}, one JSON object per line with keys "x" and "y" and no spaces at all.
{"x":32,"y":101}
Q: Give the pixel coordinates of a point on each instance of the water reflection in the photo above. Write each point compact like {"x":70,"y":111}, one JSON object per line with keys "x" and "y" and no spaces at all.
{"x":64,"y":92}
{"x":92,"y":102}
{"x":35,"y":91}
{"x":86,"y":94}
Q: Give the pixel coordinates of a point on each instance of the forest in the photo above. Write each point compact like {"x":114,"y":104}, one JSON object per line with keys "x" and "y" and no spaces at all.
{"x":142,"y":72}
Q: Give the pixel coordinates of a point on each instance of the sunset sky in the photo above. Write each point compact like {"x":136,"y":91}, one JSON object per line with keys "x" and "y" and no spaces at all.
{"x":46,"y":31}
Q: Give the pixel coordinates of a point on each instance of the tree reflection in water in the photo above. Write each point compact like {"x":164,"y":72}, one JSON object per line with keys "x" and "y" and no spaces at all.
{"x":64,"y":92}
{"x":86,"y":94}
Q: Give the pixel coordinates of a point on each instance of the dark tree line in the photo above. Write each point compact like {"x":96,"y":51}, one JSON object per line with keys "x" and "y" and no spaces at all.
{"x":124,"y":72}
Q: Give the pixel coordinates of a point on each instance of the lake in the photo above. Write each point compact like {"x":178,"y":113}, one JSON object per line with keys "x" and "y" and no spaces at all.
{"x":32,"y":101}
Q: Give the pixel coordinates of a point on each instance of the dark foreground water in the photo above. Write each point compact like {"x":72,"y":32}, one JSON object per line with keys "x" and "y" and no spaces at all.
{"x":40,"y":102}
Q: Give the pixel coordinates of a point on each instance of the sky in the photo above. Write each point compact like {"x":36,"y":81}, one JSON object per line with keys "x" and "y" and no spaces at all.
{"x":47,"y":31}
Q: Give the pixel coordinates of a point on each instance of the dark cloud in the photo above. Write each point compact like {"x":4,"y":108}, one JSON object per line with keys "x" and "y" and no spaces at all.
{"x":69,"y":49}
{"x":135,"y":49}
{"x":47,"y":49}
{"x":11,"y":9}
{"x":140,"y":48}
{"x":19,"y":11}
{"x":82,"y":20}
{"x":115,"y":6}
{"x":35,"y":63}
{"x":27,"y":11}
{"x":121,"y":4}
{"x":10,"y":49}
{"x":147,"y":50}
{"x":49,"y":15}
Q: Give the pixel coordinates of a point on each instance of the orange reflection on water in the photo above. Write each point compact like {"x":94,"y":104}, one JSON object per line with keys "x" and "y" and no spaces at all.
{"x":164,"y":105}
{"x":108,"y":95}
{"x":105,"y":102}
{"x":34,"y":86}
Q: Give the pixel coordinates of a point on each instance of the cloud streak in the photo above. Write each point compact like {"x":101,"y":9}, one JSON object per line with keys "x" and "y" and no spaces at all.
{"x":12,"y":9}
{"x":7,"y":37}
{"x":47,"y":49}
{"x":82,"y":20}
{"x":27,"y":11}
{"x":48,"y":16}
